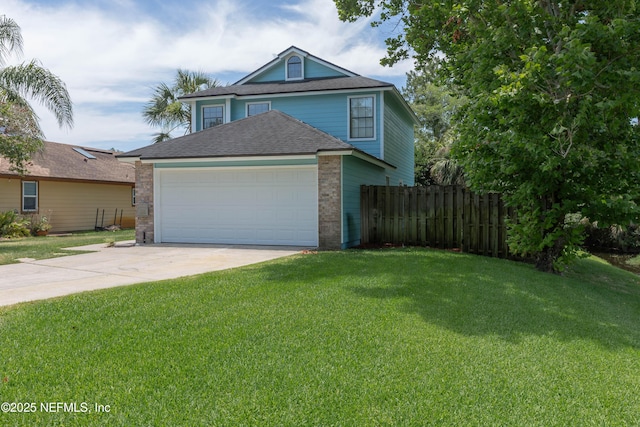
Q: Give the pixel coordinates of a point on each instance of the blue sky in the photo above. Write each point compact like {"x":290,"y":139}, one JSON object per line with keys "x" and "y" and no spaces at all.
{"x":111,"y":53}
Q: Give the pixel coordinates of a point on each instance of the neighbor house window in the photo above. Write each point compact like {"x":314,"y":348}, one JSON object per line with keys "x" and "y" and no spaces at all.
{"x":294,"y":68}
{"x":361,"y":117}
{"x":29,"y":196}
{"x":212,"y":116}
{"x":257,"y":108}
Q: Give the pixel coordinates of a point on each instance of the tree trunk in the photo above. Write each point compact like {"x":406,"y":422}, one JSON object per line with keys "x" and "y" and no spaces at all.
{"x":545,"y":260}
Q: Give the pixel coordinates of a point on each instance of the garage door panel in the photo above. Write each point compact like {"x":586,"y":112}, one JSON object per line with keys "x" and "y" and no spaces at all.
{"x":276,"y":206}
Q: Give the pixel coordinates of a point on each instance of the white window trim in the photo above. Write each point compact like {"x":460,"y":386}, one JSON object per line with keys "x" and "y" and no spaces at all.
{"x":375,"y":119}
{"x":286,"y":68}
{"x":246,"y":108}
{"x":224,"y":117}
{"x":36,"y":196}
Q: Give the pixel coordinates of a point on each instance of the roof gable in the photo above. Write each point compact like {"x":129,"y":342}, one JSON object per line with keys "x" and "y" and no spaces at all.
{"x":313,"y":67}
{"x":68,"y":162}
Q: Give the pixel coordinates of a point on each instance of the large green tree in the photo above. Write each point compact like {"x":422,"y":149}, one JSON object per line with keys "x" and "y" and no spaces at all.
{"x":554,"y":95}
{"x":166,"y":111}
{"x":20,"y":133}
{"x":434,"y":105}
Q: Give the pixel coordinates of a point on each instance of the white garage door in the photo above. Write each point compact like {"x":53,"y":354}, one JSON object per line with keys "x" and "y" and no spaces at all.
{"x":260,"y":206}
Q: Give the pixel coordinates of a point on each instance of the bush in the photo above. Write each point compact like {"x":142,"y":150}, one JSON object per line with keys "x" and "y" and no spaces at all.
{"x":13,"y":225}
{"x":614,"y":238}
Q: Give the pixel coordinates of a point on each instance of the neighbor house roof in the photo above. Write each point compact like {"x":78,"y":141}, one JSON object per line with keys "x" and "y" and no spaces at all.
{"x":67,"y":162}
{"x":268,"y":134}
{"x":282,"y":87}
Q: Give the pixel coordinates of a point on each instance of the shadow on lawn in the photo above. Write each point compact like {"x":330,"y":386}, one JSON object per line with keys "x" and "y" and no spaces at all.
{"x":475,"y":296}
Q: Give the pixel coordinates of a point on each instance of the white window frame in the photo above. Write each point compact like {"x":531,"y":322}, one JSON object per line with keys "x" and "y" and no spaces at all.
{"x":371,"y":138}
{"x":257,"y":103}
{"x":286,"y":68}
{"x":29,"y":196}
{"x":212,"y":106}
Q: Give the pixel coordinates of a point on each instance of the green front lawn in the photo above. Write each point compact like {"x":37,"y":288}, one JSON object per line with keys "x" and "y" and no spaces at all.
{"x":355,"y":338}
{"x":52,"y":246}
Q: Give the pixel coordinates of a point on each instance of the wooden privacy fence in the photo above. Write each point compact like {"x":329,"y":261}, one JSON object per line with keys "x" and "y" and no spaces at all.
{"x":447,"y":217}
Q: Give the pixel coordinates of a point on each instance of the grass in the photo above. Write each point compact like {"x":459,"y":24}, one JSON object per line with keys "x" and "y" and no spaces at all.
{"x":353,"y":338}
{"x":51,"y":246}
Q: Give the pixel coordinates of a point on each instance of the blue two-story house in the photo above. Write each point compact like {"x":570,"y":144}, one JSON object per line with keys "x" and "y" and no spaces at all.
{"x":277,"y":158}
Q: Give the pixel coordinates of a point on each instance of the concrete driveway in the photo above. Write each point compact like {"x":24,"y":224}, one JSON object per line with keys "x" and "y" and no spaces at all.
{"x":123,"y":264}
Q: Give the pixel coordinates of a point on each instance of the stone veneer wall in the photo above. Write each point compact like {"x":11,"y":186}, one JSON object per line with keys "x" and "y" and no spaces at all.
{"x":144,"y":203}
{"x":329,"y":202}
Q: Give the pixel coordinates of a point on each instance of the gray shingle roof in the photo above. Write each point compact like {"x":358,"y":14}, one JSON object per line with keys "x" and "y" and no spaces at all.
{"x":61,"y":161}
{"x":313,"y":85}
{"x":269,"y":134}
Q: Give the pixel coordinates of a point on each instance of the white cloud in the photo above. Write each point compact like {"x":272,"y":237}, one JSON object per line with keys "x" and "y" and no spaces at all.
{"x":114,"y":57}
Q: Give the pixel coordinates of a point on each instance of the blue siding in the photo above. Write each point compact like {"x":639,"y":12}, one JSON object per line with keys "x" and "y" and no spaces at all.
{"x":239,"y":108}
{"x":198,"y":110}
{"x":356,"y":172}
{"x":273,"y":74}
{"x":313,"y":70}
{"x":398,"y":141}
{"x":327,"y":112}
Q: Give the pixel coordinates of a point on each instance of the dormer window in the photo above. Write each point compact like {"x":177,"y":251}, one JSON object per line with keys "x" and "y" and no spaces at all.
{"x":294,"y":68}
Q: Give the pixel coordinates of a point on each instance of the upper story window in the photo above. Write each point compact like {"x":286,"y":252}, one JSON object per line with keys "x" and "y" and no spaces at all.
{"x":212,"y":116}
{"x":361,"y":117}
{"x":257,"y":108}
{"x":294,"y":68}
{"x":29,"y":196}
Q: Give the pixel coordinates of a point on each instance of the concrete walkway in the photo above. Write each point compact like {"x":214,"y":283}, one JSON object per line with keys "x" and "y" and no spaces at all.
{"x":123,"y":264}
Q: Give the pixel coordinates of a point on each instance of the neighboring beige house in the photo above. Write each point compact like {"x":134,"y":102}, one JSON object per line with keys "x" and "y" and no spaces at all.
{"x":71,"y":186}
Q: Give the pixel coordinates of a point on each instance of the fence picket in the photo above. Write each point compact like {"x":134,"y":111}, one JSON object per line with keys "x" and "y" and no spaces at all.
{"x":438,"y":216}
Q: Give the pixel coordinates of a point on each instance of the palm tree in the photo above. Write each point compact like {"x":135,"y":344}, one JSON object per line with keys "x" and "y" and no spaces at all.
{"x":444,"y":170}
{"x":164,"y":110}
{"x":20,"y":133}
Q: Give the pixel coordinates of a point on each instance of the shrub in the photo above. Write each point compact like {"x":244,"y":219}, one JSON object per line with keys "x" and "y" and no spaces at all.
{"x":13,"y":225}
{"x":615,"y":238}
{"x":39,"y":223}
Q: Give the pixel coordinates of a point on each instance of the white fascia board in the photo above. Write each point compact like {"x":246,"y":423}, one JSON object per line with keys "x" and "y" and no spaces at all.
{"x":290,"y":94}
{"x":405,"y":104}
{"x":360,"y":155}
{"x":314,"y":92}
{"x":336,"y":153}
{"x":228,"y":159}
{"x":211,"y":98}
{"x":128,"y":159}
{"x":305,"y":93}
{"x":373,"y":160}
